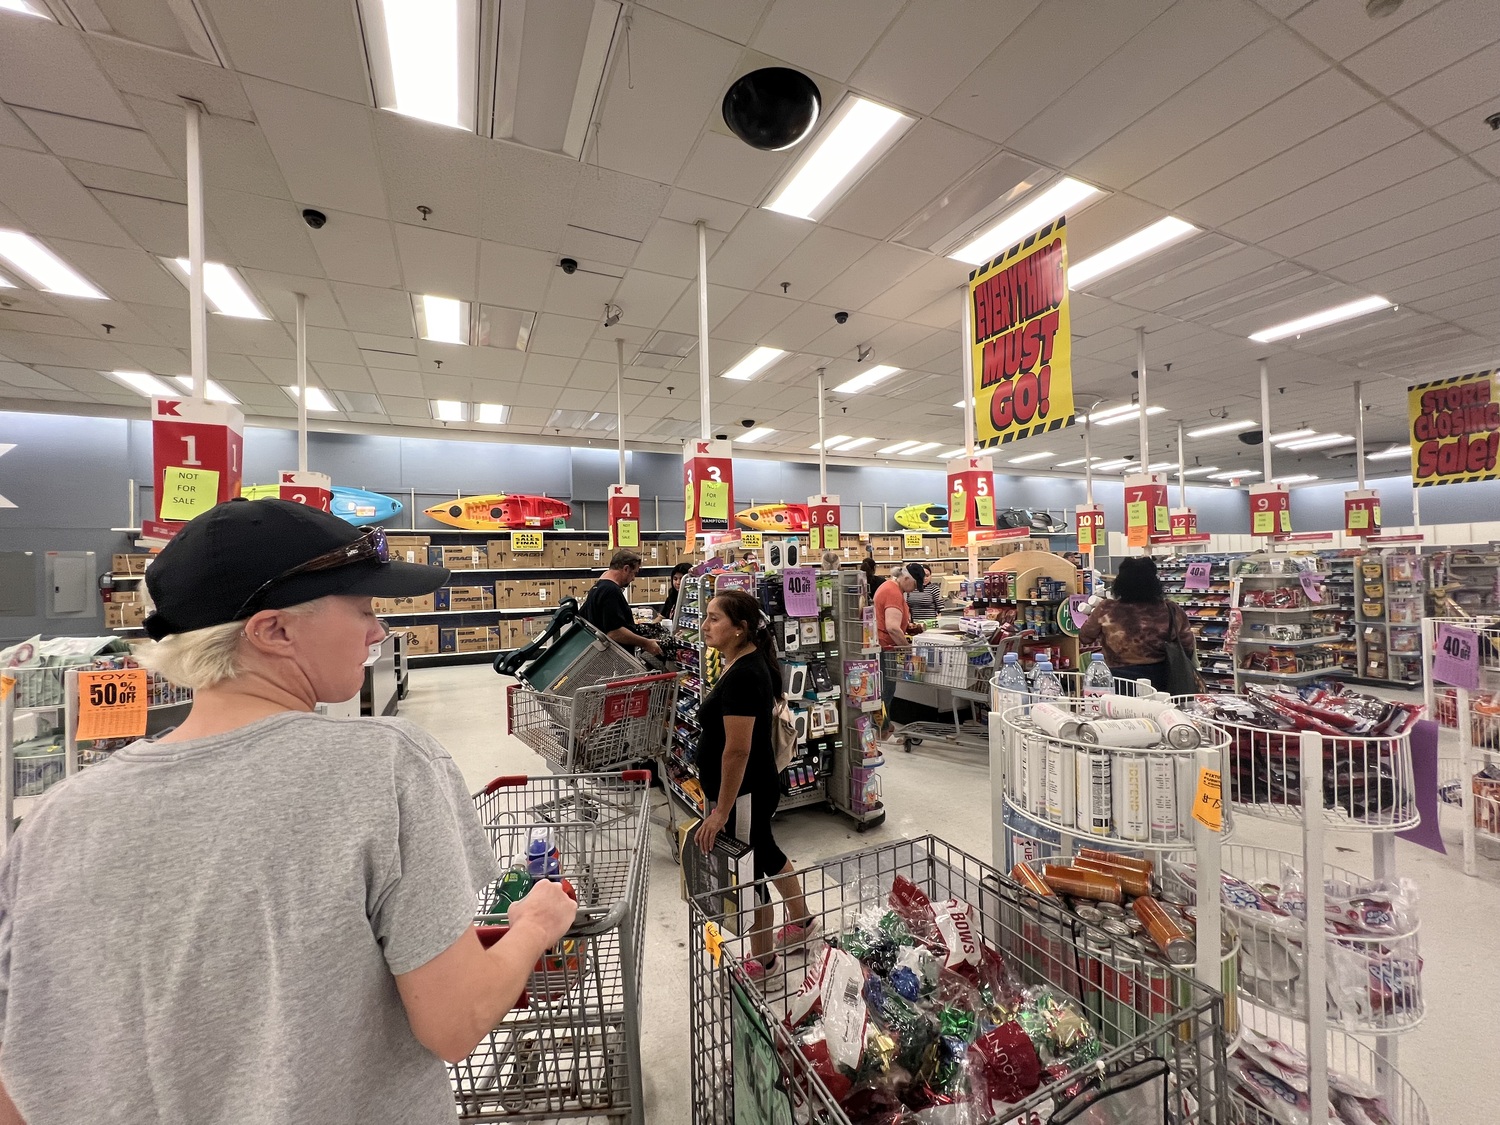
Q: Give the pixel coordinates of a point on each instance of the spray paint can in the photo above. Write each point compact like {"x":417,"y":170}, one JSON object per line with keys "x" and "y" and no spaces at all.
{"x":1093,"y":794}
{"x":1130,"y":798}
{"x":1121,"y":734}
{"x":1161,"y":779}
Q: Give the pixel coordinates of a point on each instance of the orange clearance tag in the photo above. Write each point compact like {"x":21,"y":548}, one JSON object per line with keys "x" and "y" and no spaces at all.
{"x":1208,"y":803}
{"x":7,"y":685}
{"x":111,"y":703}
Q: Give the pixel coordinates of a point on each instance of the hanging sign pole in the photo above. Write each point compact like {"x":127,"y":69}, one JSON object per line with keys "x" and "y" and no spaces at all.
{"x":822,"y":449}
{"x":1361,"y":505}
{"x":969,"y":397}
{"x":1089,"y":516}
{"x":197,"y":310}
{"x":620,"y":403}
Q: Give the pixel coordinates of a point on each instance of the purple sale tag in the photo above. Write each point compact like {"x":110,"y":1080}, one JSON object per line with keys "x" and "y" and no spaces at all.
{"x":1197,"y":576}
{"x":1311,"y":586}
{"x":1456,"y":659}
{"x":800,"y":586}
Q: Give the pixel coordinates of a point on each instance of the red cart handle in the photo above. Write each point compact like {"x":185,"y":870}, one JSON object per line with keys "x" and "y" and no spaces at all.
{"x":509,"y":779}
{"x":636,"y":681}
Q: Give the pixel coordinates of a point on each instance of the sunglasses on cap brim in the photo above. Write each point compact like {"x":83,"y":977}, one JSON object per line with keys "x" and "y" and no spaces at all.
{"x":370,"y":546}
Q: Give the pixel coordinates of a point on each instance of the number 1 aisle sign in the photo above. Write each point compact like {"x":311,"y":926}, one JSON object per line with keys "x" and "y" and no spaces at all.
{"x":197,"y":453}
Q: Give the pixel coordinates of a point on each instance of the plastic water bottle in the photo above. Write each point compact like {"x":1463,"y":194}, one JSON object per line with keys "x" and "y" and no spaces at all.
{"x":542,"y":860}
{"x":1097,"y":679}
{"x":1046,"y":686}
{"x":1008,"y":688}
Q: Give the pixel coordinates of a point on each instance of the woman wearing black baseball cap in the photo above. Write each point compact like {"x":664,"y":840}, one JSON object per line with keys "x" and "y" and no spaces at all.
{"x":264,"y":913}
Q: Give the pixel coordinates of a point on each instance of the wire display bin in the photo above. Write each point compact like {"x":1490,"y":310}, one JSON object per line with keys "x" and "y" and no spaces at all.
{"x":571,"y":1045}
{"x":598,"y":727}
{"x":1026,"y":1018}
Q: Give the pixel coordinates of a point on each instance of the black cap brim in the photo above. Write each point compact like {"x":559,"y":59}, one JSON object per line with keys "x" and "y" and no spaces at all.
{"x":370,"y":580}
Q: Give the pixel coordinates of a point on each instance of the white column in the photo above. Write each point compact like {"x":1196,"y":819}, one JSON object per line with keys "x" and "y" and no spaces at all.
{"x":822,"y":452}
{"x":1359,"y":432}
{"x":1140,"y":366}
{"x":1088,"y":460}
{"x":1181,"y":470}
{"x":197,"y":313}
{"x":705,"y":426}
{"x":620,"y":401}
{"x":966,"y":349}
{"x":1265,"y":421}
{"x":301,"y":381}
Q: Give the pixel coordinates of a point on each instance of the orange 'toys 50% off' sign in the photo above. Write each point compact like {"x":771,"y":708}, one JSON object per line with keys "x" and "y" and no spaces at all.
{"x":111,"y":703}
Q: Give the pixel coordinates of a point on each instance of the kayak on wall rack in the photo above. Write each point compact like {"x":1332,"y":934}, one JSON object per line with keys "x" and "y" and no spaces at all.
{"x":500,"y":510}
{"x":922,"y":517}
{"x":352,"y":504}
{"x":774,"y":517}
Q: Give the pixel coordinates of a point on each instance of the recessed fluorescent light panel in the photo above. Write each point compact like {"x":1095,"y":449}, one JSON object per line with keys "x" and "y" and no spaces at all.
{"x":1158,"y":236}
{"x":755,"y":435}
{"x":1221,"y":428}
{"x":866,"y":379}
{"x":1056,"y":200}
{"x":832,"y":443}
{"x":921,"y":447}
{"x":754,"y":363}
{"x":1237,"y":474}
{"x":1155,"y":465}
{"x":1109,"y":466}
{"x":142,"y":383}
{"x":1029,"y":458}
{"x":43,"y":268}
{"x":1291,"y":435}
{"x":224,"y":288}
{"x":443,"y":320}
{"x":317,"y":401}
{"x":1199,"y":470}
{"x":1322,"y":441}
{"x":1131,"y":414}
{"x":858,"y":134}
{"x":1338,"y":313}
{"x":1075,"y":461}
{"x":491,"y":413}
{"x":857,"y":443}
{"x":23,"y":8}
{"x":1390,"y":454}
{"x":447,"y":410}
{"x":424,"y":58}
{"x":1297,"y":478}
{"x":215,"y":392}
{"x":897,"y":448}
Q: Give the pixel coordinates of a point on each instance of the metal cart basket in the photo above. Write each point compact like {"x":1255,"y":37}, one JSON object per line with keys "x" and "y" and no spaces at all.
{"x":746,"y":1065}
{"x":571,"y":1045}
{"x":599,"y":727}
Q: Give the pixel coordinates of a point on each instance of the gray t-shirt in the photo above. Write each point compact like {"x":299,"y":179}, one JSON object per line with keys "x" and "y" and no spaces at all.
{"x":208,"y":931}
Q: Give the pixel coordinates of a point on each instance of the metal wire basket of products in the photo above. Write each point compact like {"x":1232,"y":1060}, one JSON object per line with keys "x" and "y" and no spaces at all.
{"x":598,"y":727}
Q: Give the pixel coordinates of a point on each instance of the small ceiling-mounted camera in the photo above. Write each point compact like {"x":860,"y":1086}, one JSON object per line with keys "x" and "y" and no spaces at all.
{"x":569,"y":265}
{"x":748,"y":423}
{"x":841,"y":318}
{"x":1493,"y":121}
{"x":314,"y":218}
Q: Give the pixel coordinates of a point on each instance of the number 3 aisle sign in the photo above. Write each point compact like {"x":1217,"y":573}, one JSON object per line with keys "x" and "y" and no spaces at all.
{"x":707,"y":486}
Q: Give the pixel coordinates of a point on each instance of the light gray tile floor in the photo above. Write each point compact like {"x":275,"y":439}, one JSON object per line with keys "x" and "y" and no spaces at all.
{"x":946,"y":793}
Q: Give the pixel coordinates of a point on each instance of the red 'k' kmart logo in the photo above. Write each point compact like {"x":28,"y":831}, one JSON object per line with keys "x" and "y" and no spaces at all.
{"x":702,"y":446}
{"x":167,"y":408}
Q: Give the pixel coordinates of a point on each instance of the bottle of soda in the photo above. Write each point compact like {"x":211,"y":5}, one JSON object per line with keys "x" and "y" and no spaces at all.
{"x":1097,"y":679}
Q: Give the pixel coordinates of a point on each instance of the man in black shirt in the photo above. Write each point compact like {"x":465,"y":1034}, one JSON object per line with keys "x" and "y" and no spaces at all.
{"x":606,"y":608}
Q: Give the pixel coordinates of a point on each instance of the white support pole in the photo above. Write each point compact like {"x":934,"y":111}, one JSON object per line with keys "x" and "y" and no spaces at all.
{"x":1359,"y":433}
{"x":1265,"y":421}
{"x":1181,"y":470}
{"x":1088,"y":460}
{"x":197,"y":312}
{"x":1316,"y":940}
{"x":1209,"y":846}
{"x":967,"y":367}
{"x":705,"y":425}
{"x":620,"y":402}
{"x":822,"y":450}
{"x":1140,"y":367}
{"x":301,"y":381}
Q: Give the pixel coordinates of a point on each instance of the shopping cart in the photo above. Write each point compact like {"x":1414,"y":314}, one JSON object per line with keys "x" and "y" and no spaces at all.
{"x":747,"y":1064}
{"x":964,"y":669}
{"x":569,"y":655}
{"x":571,"y":1045}
{"x":598,"y":727}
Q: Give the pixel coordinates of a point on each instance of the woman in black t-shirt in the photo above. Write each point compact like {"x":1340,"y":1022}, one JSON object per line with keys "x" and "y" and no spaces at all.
{"x":737,"y":766}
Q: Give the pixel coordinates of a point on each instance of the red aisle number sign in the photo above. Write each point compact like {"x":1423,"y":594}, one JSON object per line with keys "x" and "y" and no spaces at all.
{"x":822,"y":523}
{"x":197,"y":460}
{"x":707,"y":486}
{"x":1361,"y":512}
{"x":624,"y":515}
{"x":971,"y":498}
{"x":1270,"y":509}
{"x":1090,"y":520}
{"x":1146,"y":508}
{"x":313,"y":489}
{"x":1183,"y":522}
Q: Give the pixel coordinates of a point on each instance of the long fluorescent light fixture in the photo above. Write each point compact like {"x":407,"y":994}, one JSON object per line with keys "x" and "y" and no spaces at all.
{"x":1199,"y":470}
{"x":1237,"y":474}
{"x":921,"y":447}
{"x":866,"y":379}
{"x":491,"y":413}
{"x":1221,"y":428}
{"x":750,"y":436}
{"x":857,"y":443}
{"x":318,"y":401}
{"x":1158,"y":236}
{"x":1120,"y":463}
{"x":832,"y":443}
{"x":1111,"y":411}
{"x":1030,"y":457}
{"x":858,"y":134}
{"x":1296,"y":478}
{"x":1131,"y":415}
{"x":6,"y":283}
{"x":142,"y":383}
{"x":1076,"y":461}
{"x":1155,"y":465}
{"x":442,"y":320}
{"x":754,"y":363}
{"x":43,"y":268}
{"x":223,"y":286}
{"x":424,"y":58}
{"x":897,"y":448}
{"x":1321,"y":319}
{"x":1055,"y":201}
{"x":21,"y":7}
{"x":215,"y":392}
{"x":1323,"y":441}
{"x":1292,"y":435}
{"x":444,"y":409}
{"x":1401,"y":451}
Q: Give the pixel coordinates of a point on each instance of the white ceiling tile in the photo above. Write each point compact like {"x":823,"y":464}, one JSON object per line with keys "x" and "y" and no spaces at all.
{"x":858,"y":331}
{"x":929,"y":159}
{"x":49,"y":201}
{"x":279,"y":290}
{"x":732,"y":19}
{"x":603,"y":249}
{"x":760,"y":241}
{"x":262,"y":233}
{"x":429,"y":165}
{"x":754,"y":317}
{"x":1468,"y":131}
{"x":1469,"y":82}
{"x":581,"y":294}
{"x":436,"y":261}
{"x":560,"y":335}
{"x":871,"y":276}
{"x":525,"y":195}
{"x":683,"y":316}
{"x":1423,"y":46}
{"x":14,"y":134}
{"x":132,"y":273}
{"x":1434,"y":215}
{"x":944,"y":312}
{"x":727,"y":168}
{"x":44,"y":65}
{"x":795,"y":332}
{"x":1341,"y":29}
{"x":235,"y":153}
{"x":167,"y":76}
{"x":1455,"y":246}
{"x":826,"y":36}
{"x":646,"y":298}
{"x":925,"y":284}
{"x":398,"y":383}
{"x":368,"y":309}
{"x":613,"y":203}
{"x":343,"y":377}
{"x":124,"y":181}
{"x":358,"y":249}
{"x":817,"y":260}
{"x":95,"y":141}
{"x":678,"y":75}
{"x":1489,"y":157}
{"x":690,"y":206}
{"x":324,"y":147}
{"x":312,"y":46}
{"x":513,"y":276}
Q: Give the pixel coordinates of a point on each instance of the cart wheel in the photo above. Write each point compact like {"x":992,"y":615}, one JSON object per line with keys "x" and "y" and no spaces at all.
{"x":860,"y":827}
{"x":910,"y":742}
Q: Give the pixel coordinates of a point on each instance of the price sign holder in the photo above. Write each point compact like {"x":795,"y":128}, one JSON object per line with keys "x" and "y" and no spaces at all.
{"x":912,"y":540}
{"x":1455,"y":660}
{"x":1199,"y":576}
{"x":750,"y":540}
{"x":1146,"y":508}
{"x":111,"y":703}
{"x":1182,"y":524}
{"x":1270,"y":509}
{"x":624,"y":515}
{"x":198,"y":445}
{"x":970,"y":480}
{"x":1361,"y":512}
{"x":1090,"y":523}
{"x":708,"y":486}
{"x":1208,"y":800}
{"x":823,"y":523}
{"x":800,"y":589}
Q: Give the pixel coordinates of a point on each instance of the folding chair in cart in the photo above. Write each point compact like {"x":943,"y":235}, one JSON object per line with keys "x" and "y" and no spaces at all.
{"x":962,"y":667}
{"x":571,"y":1045}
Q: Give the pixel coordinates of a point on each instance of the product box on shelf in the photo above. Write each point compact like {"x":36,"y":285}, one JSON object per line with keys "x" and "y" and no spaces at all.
{"x":421,"y":640}
{"x":129,"y":564}
{"x":124,"y":615}
{"x":481,"y":638}
{"x":427,"y":603}
{"x":465,"y":598}
{"x":408,"y":548}
{"x":541,"y":592}
{"x":658,"y":553}
{"x":458,"y":557}
{"x":587,"y":554}
{"x":124,"y":595}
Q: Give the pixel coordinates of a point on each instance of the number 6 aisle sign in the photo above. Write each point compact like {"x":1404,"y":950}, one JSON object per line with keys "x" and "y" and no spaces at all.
{"x":197,"y":460}
{"x":971,"y":497}
{"x":823,"y":523}
{"x":707,"y":486}
{"x":624,"y":515}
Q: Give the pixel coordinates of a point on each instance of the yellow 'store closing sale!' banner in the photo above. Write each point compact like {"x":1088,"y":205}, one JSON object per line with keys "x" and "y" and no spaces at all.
{"x":1022,"y":339}
{"x":1455,"y":429}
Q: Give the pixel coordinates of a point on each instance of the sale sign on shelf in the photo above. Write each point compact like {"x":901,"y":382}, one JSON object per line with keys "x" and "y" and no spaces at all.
{"x":1145,"y":508}
{"x":1361,"y":512}
{"x":823,"y":523}
{"x":1090,"y":521}
{"x":313,"y":489}
{"x":624,"y":515}
{"x":1270,"y":509}
{"x":707,"y":486}
{"x":1456,"y":659}
{"x":197,"y":453}
{"x":971,"y":497}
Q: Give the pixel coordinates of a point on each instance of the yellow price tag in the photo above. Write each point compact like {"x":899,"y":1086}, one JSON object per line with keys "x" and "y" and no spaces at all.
{"x":714,"y":940}
{"x":912,"y":540}
{"x":812,"y":538}
{"x":186,"y":493}
{"x":526,"y":542}
{"x":1265,"y":523}
{"x":1163,"y":521}
{"x":830,"y":537}
{"x":750,"y":540}
{"x":984,"y":506}
{"x":1208,"y":801}
{"x":1135,"y":514}
{"x":111,"y":704}
{"x":1286,"y":521}
{"x":1377,"y":515}
{"x":629,"y":533}
{"x":1086,"y":535}
{"x":1359,"y":519}
{"x":1179,"y":531}
{"x":687,"y":501}
{"x":713,"y":503}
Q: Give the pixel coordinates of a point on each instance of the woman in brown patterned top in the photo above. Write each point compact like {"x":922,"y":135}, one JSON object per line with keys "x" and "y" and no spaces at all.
{"x":1133,"y":628}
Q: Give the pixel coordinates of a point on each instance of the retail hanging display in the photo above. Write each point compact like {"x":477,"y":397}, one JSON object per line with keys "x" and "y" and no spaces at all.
{"x":1454,"y":429}
{"x":352,"y":504}
{"x":1270,"y":509}
{"x":1146,"y":508}
{"x":707,"y":486}
{"x":823,"y":523}
{"x":1361,"y":512}
{"x":971,"y":497}
{"x":499,"y":510}
{"x":198,"y":453}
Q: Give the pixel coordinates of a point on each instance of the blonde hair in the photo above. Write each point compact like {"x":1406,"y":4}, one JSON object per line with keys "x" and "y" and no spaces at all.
{"x":203,"y":658}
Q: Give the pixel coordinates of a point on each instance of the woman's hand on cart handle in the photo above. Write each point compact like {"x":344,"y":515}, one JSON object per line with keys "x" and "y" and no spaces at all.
{"x":548,"y":908}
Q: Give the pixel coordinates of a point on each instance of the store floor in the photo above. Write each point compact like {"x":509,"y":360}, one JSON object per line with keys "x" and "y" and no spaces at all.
{"x":946,"y":793}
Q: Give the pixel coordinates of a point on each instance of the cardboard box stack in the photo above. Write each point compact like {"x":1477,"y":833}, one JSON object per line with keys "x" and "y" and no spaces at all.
{"x":421,"y":640}
{"x":129,"y":564}
{"x":408,"y":548}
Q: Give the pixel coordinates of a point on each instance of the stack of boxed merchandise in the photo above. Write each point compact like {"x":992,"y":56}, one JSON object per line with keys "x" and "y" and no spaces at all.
{"x":408,"y":548}
{"x":126,"y":608}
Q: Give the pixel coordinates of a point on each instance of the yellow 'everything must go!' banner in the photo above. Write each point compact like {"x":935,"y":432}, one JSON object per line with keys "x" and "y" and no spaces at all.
{"x":1022,"y":339}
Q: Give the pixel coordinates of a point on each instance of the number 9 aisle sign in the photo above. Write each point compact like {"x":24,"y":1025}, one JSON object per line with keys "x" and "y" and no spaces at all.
{"x":971,"y":497}
{"x":197,"y":458}
{"x":624,"y":515}
{"x":707,"y":486}
{"x":1270,"y":509}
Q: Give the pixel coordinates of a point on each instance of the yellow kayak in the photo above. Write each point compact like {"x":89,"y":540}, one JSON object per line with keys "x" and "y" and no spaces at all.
{"x":499,"y":510}
{"x":923,"y":517}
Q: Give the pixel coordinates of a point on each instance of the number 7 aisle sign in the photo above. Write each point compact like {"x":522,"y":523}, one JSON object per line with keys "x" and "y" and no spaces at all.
{"x":195,"y":441}
{"x":624,"y":515}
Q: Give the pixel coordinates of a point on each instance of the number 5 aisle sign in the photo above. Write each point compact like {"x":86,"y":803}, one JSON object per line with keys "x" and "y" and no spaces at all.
{"x":971,"y":498}
{"x":624,"y":515}
{"x":197,"y":459}
{"x":707,"y":486}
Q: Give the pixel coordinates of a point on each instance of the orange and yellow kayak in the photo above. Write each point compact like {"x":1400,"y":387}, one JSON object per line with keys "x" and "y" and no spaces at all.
{"x":499,"y":510}
{"x":774,"y":517}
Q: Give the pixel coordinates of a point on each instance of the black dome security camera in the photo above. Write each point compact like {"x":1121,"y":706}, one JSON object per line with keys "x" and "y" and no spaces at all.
{"x":748,"y":423}
{"x":569,"y":265}
{"x":841,"y":318}
{"x":313,"y":218}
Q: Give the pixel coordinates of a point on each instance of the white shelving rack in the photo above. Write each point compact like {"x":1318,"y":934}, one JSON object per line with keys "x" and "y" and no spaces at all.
{"x":1295,"y":630}
{"x":1390,"y":600}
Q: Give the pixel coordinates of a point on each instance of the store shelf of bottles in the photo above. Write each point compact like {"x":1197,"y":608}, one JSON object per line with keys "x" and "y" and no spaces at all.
{"x":1209,"y":612}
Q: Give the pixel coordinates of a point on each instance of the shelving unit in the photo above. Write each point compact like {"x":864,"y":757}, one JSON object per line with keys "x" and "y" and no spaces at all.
{"x":1475,"y":717}
{"x":1033,"y":569}
{"x":1209,"y":612}
{"x":1284,"y":634}
{"x":1390,"y":599}
{"x":1339,"y":609}
{"x":1470,"y":583}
